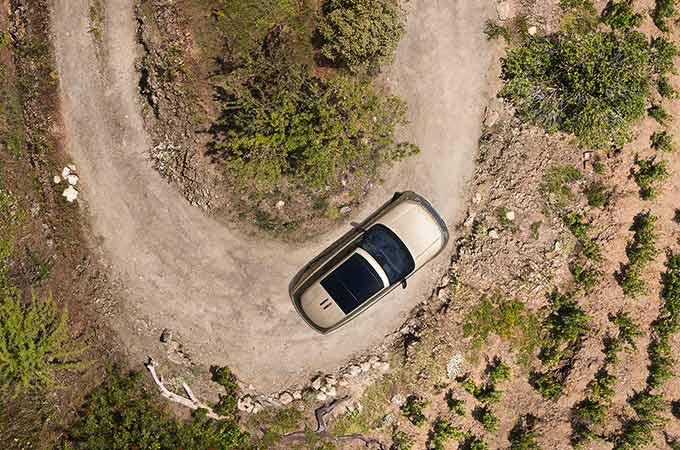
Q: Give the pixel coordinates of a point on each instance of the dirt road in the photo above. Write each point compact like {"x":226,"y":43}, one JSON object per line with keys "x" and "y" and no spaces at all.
{"x":224,"y":294}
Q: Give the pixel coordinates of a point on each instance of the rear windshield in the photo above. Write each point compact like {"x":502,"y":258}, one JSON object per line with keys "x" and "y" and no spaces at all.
{"x":389,"y":251}
{"x":352,"y":283}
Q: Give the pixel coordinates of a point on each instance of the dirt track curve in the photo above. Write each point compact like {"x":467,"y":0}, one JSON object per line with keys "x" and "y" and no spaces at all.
{"x":225,"y":294}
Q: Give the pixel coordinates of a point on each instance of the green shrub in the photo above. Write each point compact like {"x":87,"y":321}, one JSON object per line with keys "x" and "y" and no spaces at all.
{"x":507,"y":318}
{"x":34,"y":343}
{"x":590,"y":411}
{"x":485,"y":394}
{"x":523,"y":437}
{"x":593,"y":85}
{"x":442,"y":432}
{"x":658,"y":113}
{"x":499,"y":372}
{"x":602,"y":386}
{"x":487,"y":418}
{"x":648,"y":406}
{"x":227,"y":402}
{"x":621,"y":15}
{"x":665,"y":88}
{"x":401,"y":441}
{"x":586,"y":277}
{"x":549,"y":384}
{"x":502,"y":216}
{"x":597,"y":194}
{"x":566,"y":325}
{"x":413,"y":410}
{"x":493,"y":30}
{"x":536,"y":230}
{"x":636,"y":435}
{"x":662,"y":140}
{"x":628,"y":329}
{"x":122,"y":415}
{"x":648,"y":175}
{"x":476,"y":443}
{"x":456,"y":405}
{"x":676,"y":216}
{"x":555,"y":185}
{"x":641,"y":251}
{"x":664,"y":53}
{"x":285,"y":124}
{"x":579,"y":227}
{"x":361,"y":35}
{"x":663,"y":10}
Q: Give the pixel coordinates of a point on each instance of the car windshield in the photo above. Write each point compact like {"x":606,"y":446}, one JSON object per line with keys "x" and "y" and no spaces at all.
{"x":389,"y":251}
{"x":352,"y":283}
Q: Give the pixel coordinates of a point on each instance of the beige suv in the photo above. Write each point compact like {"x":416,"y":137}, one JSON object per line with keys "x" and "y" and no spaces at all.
{"x":368,"y":262}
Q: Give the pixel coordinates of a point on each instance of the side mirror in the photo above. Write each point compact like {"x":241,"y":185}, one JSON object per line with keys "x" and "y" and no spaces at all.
{"x":404,"y":283}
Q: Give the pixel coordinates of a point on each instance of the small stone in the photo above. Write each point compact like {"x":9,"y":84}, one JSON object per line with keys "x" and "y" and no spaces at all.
{"x":297,"y":395}
{"x":343,"y":382}
{"x":320,"y":396}
{"x":477,"y":199}
{"x":280,"y":204}
{"x":470,"y":219}
{"x":373,"y":359}
{"x":353,"y":371}
{"x":503,"y":9}
{"x":245,"y":403}
{"x":493,"y":234}
{"x":72,"y":179}
{"x":345,"y":210}
{"x":532,"y":30}
{"x":257,"y":407}
{"x":329,"y":391}
{"x":491,"y":117}
{"x":70,"y":193}
{"x":72,"y":167}
{"x":316,"y":383}
{"x":56,"y":179}
{"x":166,"y":335}
{"x":510,"y":215}
{"x":65,"y":172}
{"x":387,"y":420}
{"x":558,"y":246}
{"x":382,"y":366}
{"x":286,"y":398}
{"x":365,"y":366}
{"x":330,"y":380}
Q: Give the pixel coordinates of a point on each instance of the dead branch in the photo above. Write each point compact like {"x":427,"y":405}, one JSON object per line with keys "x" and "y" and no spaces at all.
{"x":192,"y":402}
{"x":322,"y":428}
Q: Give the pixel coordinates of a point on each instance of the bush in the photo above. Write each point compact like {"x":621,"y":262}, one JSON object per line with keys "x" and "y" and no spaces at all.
{"x":586,"y":277}
{"x":621,"y":16}
{"x":648,"y":175}
{"x":676,"y":216}
{"x":648,"y":406}
{"x":662,"y":140}
{"x":580,"y":226}
{"x":658,"y":113}
{"x":566,"y":325}
{"x":593,"y":85}
{"x":628,"y":329}
{"x":34,"y":342}
{"x":523,"y":437}
{"x":281,"y":123}
{"x":456,"y":405}
{"x":121,"y":415}
{"x":663,"y":56}
{"x":641,"y":251}
{"x":664,"y":9}
{"x":665,"y":88}
{"x":549,"y":384}
{"x":597,"y":194}
{"x":487,"y":418}
{"x":476,"y":443}
{"x":413,"y":410}
{"x":225,"y":378}
{"x":401,"y":441}
{"x":442,"y":432}
{"x":499,"y":372}
{"x":494,"y":31}
{"x":361,"y":35}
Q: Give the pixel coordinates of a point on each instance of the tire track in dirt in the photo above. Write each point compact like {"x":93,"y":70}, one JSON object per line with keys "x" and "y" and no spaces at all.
{"x":225,"y":294}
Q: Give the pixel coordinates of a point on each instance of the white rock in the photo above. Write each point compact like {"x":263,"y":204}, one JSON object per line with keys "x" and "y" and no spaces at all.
{"x":373,"y":359}
{"x":510,"y":215}
{"x":477,"y":198}
{"x":330,"y":380}
{"x":365,"y":366}
{"x":316,"y":383}
{"x":470,"y":219}
{"x":320,"y":396}
{"x":245,"y":403}
{"x":503,"y":9}
{"x":353,"y":371}
{"x":491,"y":116}
{"x":280,"y":204}
{"x":72,"y":167}
{"x":285,"y":398}
{"x":398,"y":400}
{"x":257,"y":407}
{"x":56,"y":179}
{"x":345,"y":210}
{"x":382,"y":366}
{"x":532,"y":30}
{"x":454,"y":368}
{"x":297,"y":395}
{"x":71,"y":194}
{"x":65,"y":172}
{"x":493,"y":234}
{"x":343,"y":382}
{"x":72,"y":179}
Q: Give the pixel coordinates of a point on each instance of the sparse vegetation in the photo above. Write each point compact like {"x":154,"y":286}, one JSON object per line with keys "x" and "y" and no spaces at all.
{"x":536,"y":230}
{"x":663,"y":11}
{"x":227,"y":402}
{"x":665,"y":88}
{"x":648,"y":175}
{"x":361,"y":35}
{"x":658,"y":113}
{"x":597,"y":194}
{"x":442,"y":432}
{"x":401,"y":441}
{"x":662,"y":140}
{"x":580,"y":226}
{"x":556,"y":185}
{"x":506,"y":318}
{"x":641,"y":251}
{"x":456,"y":405}
{"x":664,"y":52}
{"x":523,"y":437}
